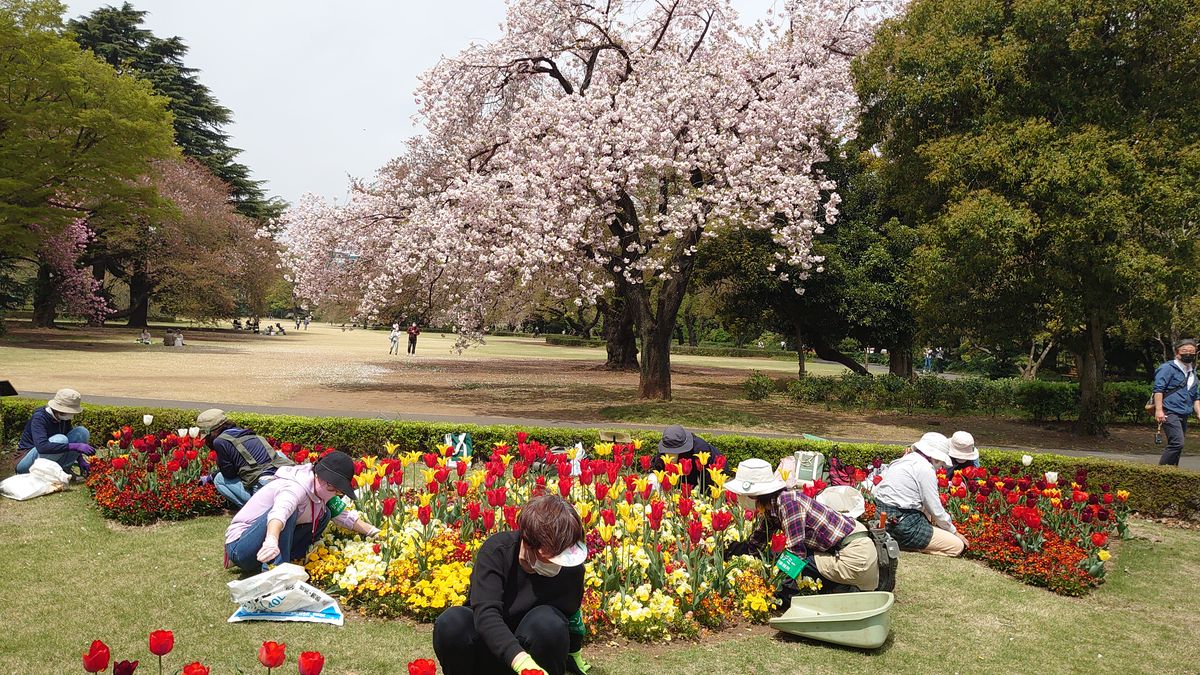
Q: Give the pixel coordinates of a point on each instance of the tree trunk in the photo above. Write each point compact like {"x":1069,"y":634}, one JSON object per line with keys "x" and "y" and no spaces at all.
{"x":139,"y":299}
{"x":826,"y":351}
{"x":619,"y":338}
{"x":655,"y":381}
{"x":801,"y":369}
{"x":1089,"y":361}
{"x":900,"y":360}
{"x":45,"y":298}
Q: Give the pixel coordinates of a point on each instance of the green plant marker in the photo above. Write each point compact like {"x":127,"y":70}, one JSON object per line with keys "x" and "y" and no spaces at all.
{"x":790,"y":564}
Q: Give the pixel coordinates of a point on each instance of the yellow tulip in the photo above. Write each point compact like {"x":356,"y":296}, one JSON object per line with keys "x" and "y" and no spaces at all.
{"x":444,"y":449}
{"x":606,"y":532}
{"x":783,"y":474}
{"x":369,"y":461}
{"x":623,"y":509}
{"x":637,"y":444}
{"x":702,"y":458}
{"x":442,"y":461}
{"x":390,"y":448}
{"x":425,"y":498}
{"x":506,"y":459}
{"x":717,"y":476}
{"x":674,"y":478}
{"x":668,"y":458}
{"x":1104,"y":555}
{"x":585,"y":511}
{"x":571,"y":453}
{"x":661,"y":475}
{"x":716,"y":491}
{"x":429,"y":475}
{"x":603,"y":449}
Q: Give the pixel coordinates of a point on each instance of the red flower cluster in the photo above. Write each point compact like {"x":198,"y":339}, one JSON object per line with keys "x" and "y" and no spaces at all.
{"x":271,"y":655}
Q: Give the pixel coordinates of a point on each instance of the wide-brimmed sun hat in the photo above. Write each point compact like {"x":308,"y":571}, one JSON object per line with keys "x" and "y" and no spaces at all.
{"x":962,"y":447}
{"x":676,"y":440}
{"x":211,"y":419}
{"x":845,"y":499}
{"x":337,"y":469}
{"x":935,"y":446}
{"x":574,"y":556}
{"x":66,"y":401}
{"x":754,"y":477}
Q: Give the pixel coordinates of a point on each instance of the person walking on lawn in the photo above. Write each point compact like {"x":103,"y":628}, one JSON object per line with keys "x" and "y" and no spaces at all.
{"x":1176,"y":397}
{"x":49,"y":434}
{"x":394,"y":339}
{"x":286,"y":516}
{"x":413,"y":332}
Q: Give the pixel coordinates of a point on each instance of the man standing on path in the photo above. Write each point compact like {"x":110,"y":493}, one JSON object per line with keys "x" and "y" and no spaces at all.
{"x":1175,"y":398}
{"x":394,"y":338}
{"x":413,"y":332}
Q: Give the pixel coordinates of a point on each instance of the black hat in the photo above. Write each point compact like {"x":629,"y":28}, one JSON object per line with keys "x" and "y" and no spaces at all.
{"x":676,"y":440}
{"x":337,"y":469}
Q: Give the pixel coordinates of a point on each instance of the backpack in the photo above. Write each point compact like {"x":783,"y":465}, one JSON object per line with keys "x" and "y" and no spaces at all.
{"x":889,"y":557}
{"x":250,"y":472}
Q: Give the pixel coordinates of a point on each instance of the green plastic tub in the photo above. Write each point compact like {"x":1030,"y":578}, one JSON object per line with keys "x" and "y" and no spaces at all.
{"x":853,"y":619}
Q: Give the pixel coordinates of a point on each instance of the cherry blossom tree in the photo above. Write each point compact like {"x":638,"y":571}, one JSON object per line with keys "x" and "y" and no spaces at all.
{"x":64,"y":280}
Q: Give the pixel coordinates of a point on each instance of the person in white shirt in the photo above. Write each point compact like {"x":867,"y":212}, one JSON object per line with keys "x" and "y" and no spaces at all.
{"x":908,"y":494}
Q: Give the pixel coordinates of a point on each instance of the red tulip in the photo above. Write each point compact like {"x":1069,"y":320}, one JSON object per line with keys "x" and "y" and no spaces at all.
{"x":521,"y":438}
{"x":162,"y":642}
{"x":124,"y":667}
{"x":1099,"y":539}
{"x":510,"y":516}
{"x":195,"y":668}
{"x":462,"y":487}
{"x":389,"y":507}
{"x":601,"y":491}
{"x":311,"y":663}
{"x":778,"y":542}
{"x":489,"y":519}
{"x":721,"y":520}
{"x":96,"y":658}
{"x":609,"y":517}
{"x":271,"y":654}
{"x":422,"y":667}
{"x":685,"y":507}
{"x":424,"y":514}
{"x":695,"y":531}
{"x":119,"y":463}
{"x":173,"y":466}
{"x":474,"y":511}
{"x":645,"y":461}
{"x":564,"y":487}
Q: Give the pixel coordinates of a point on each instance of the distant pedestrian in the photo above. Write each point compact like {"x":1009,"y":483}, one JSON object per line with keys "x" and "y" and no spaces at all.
{"x":306,"y":320}
{"x":928,"y":360}
{"x":394,"y":338}
{"x":938,"y":357}
{"x":413,"y":332}
{"x":1176,"y":397}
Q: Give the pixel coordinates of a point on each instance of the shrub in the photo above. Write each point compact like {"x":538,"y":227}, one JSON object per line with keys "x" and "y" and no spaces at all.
{"x":758,"y":386}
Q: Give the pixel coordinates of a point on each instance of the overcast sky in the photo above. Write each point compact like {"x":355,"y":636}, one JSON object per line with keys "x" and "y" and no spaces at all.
{"x":323,"y":90}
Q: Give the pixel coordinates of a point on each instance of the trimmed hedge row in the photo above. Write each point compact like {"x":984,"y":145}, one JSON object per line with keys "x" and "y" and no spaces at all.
{"x":687,"y":350}
{"x":1039,"y":399}
{"x":1156,"y":491}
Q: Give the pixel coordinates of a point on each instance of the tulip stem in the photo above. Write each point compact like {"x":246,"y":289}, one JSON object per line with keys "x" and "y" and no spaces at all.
{"x":160,"y":664}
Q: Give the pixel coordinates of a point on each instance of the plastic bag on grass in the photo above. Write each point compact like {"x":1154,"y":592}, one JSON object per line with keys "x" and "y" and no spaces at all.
{"x":282,"y":594}
{"x":44,"y":477}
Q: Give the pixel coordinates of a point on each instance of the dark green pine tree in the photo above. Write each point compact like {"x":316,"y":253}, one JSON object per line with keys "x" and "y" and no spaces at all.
{"x":116,"y":35}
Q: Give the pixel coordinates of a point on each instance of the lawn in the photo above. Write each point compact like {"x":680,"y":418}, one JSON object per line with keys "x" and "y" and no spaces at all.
{"x":68,"y":577}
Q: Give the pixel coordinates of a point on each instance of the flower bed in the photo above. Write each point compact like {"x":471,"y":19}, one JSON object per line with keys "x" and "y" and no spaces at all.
{"x":656,"y":566}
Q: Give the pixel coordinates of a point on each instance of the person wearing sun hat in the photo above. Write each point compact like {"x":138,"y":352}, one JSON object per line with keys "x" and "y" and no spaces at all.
{"x":287,"y":515}
{"x":833,"y":544}
{"x":523,"y":610}
{"x":50,"y":434}
{"x":963,"y":453}
{"x":908,"y":494}
{"x":683,"y":444}
{"x":245,"y":460}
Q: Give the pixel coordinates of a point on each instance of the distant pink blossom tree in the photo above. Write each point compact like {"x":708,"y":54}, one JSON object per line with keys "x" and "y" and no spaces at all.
{"x":60,"y":258}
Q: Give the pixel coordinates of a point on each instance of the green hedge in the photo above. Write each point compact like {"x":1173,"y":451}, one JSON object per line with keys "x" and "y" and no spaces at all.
{"x":576,"y":341}
{"x":1039,"y":399}
{"x":1157,"y":491}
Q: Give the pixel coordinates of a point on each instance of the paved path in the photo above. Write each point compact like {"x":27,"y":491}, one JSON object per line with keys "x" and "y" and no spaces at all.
{"x":1189,"y":461}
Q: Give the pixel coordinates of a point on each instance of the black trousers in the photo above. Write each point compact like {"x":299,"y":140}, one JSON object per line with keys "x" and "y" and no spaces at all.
{"x":1174,"y":428}
{"x":461,"y":650}
{"x":412,"y":345}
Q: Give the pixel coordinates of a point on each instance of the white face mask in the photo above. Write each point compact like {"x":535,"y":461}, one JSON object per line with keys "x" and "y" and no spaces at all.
{"x":546,"y":569}
{"x":323,"y":493}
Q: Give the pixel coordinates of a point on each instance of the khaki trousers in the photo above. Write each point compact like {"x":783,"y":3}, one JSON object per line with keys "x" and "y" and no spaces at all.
{"x":856,"y":564}
{"x":944,"y":543}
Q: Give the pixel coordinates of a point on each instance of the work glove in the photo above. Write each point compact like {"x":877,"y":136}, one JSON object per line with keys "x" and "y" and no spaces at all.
{"x":82,"y":448}
{"x":206,"y":479}
{"x":269,"y":550}
{"x":580,"y":665}
{"x":84,"y":468}
{"x":525,"y":662}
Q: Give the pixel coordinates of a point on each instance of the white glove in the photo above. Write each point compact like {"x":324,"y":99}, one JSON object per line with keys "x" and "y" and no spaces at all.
{"x":269,"y":550}
{"x":372,"y":531}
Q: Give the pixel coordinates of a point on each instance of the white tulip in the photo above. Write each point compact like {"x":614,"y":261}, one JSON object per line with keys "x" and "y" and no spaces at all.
{"x":147,"y":419}
{"x":1026,"y":460}
{"x":1052,"y":477}
{"x":194,"y":432}
{"x":181,"y":432}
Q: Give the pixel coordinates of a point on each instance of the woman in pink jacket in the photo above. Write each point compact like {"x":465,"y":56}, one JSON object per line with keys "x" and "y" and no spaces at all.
{"x":288,"y":514}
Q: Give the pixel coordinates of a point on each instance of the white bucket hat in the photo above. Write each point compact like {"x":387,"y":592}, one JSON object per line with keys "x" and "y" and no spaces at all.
{"x":845,"y":499}
{"x":66,"y":401}
{"x":935,"y":446}
{"x":754,"y":477}
{"x":962,"y":447}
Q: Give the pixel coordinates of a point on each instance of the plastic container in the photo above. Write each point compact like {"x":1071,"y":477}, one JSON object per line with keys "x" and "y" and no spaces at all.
{"x":860,"y":620}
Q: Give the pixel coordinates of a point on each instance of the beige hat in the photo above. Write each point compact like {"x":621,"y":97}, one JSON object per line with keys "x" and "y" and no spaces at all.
{"x":935,"y":446}
{"x":962,"y":447}
{"x":210,"y":419}
{"x":754,"y":477}
{"x":66,"y":401}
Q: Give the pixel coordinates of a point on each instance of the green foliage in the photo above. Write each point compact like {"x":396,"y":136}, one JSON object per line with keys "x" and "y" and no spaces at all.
{"x":1157,"y":491}
{"x":576,"y":341}
{"x":758,"y":386}
{"x":74,"y":132}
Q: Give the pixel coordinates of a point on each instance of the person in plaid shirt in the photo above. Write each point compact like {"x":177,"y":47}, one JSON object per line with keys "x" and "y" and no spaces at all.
{"x":837,"y":548}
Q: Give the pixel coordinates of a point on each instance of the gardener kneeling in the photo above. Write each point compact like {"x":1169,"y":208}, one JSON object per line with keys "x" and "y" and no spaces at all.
{"x":523,"y":608}
{"x":830,"y":546}
{"x":245,"y":460}
{"x":283,"y":519}
{"x":908,"y":494}
{"x":49,"y":434}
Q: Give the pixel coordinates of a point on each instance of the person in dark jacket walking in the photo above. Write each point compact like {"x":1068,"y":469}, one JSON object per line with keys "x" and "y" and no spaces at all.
{"x":413,"y":332}
{"x":245,"y":460}
{"x":523,"y":608}
{"x":49,"y":434}
{"x":1176,"y":397}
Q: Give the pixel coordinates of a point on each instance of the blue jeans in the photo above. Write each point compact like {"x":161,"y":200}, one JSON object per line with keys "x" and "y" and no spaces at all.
{"x":294,"y":540}
{"x":66,"y":459}
{"x":234,"y":490}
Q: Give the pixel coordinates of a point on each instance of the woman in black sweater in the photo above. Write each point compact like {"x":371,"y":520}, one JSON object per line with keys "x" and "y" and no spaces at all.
{"x":523,"y":608}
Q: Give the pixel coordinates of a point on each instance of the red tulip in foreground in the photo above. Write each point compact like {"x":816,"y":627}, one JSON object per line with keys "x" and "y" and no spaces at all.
{"x":422,"y":667}
{"x":271,"y":654}
{"x":195,"y":668}
{"x":311,"y":663}
{"x":96,"y":658}
{"x":124,"y":667}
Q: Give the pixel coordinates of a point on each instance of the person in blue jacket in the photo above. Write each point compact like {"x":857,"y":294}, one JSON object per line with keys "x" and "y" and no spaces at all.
{"x":1176,"y":397}
{"x":50,"y":434}
{"x":245,"y":460}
